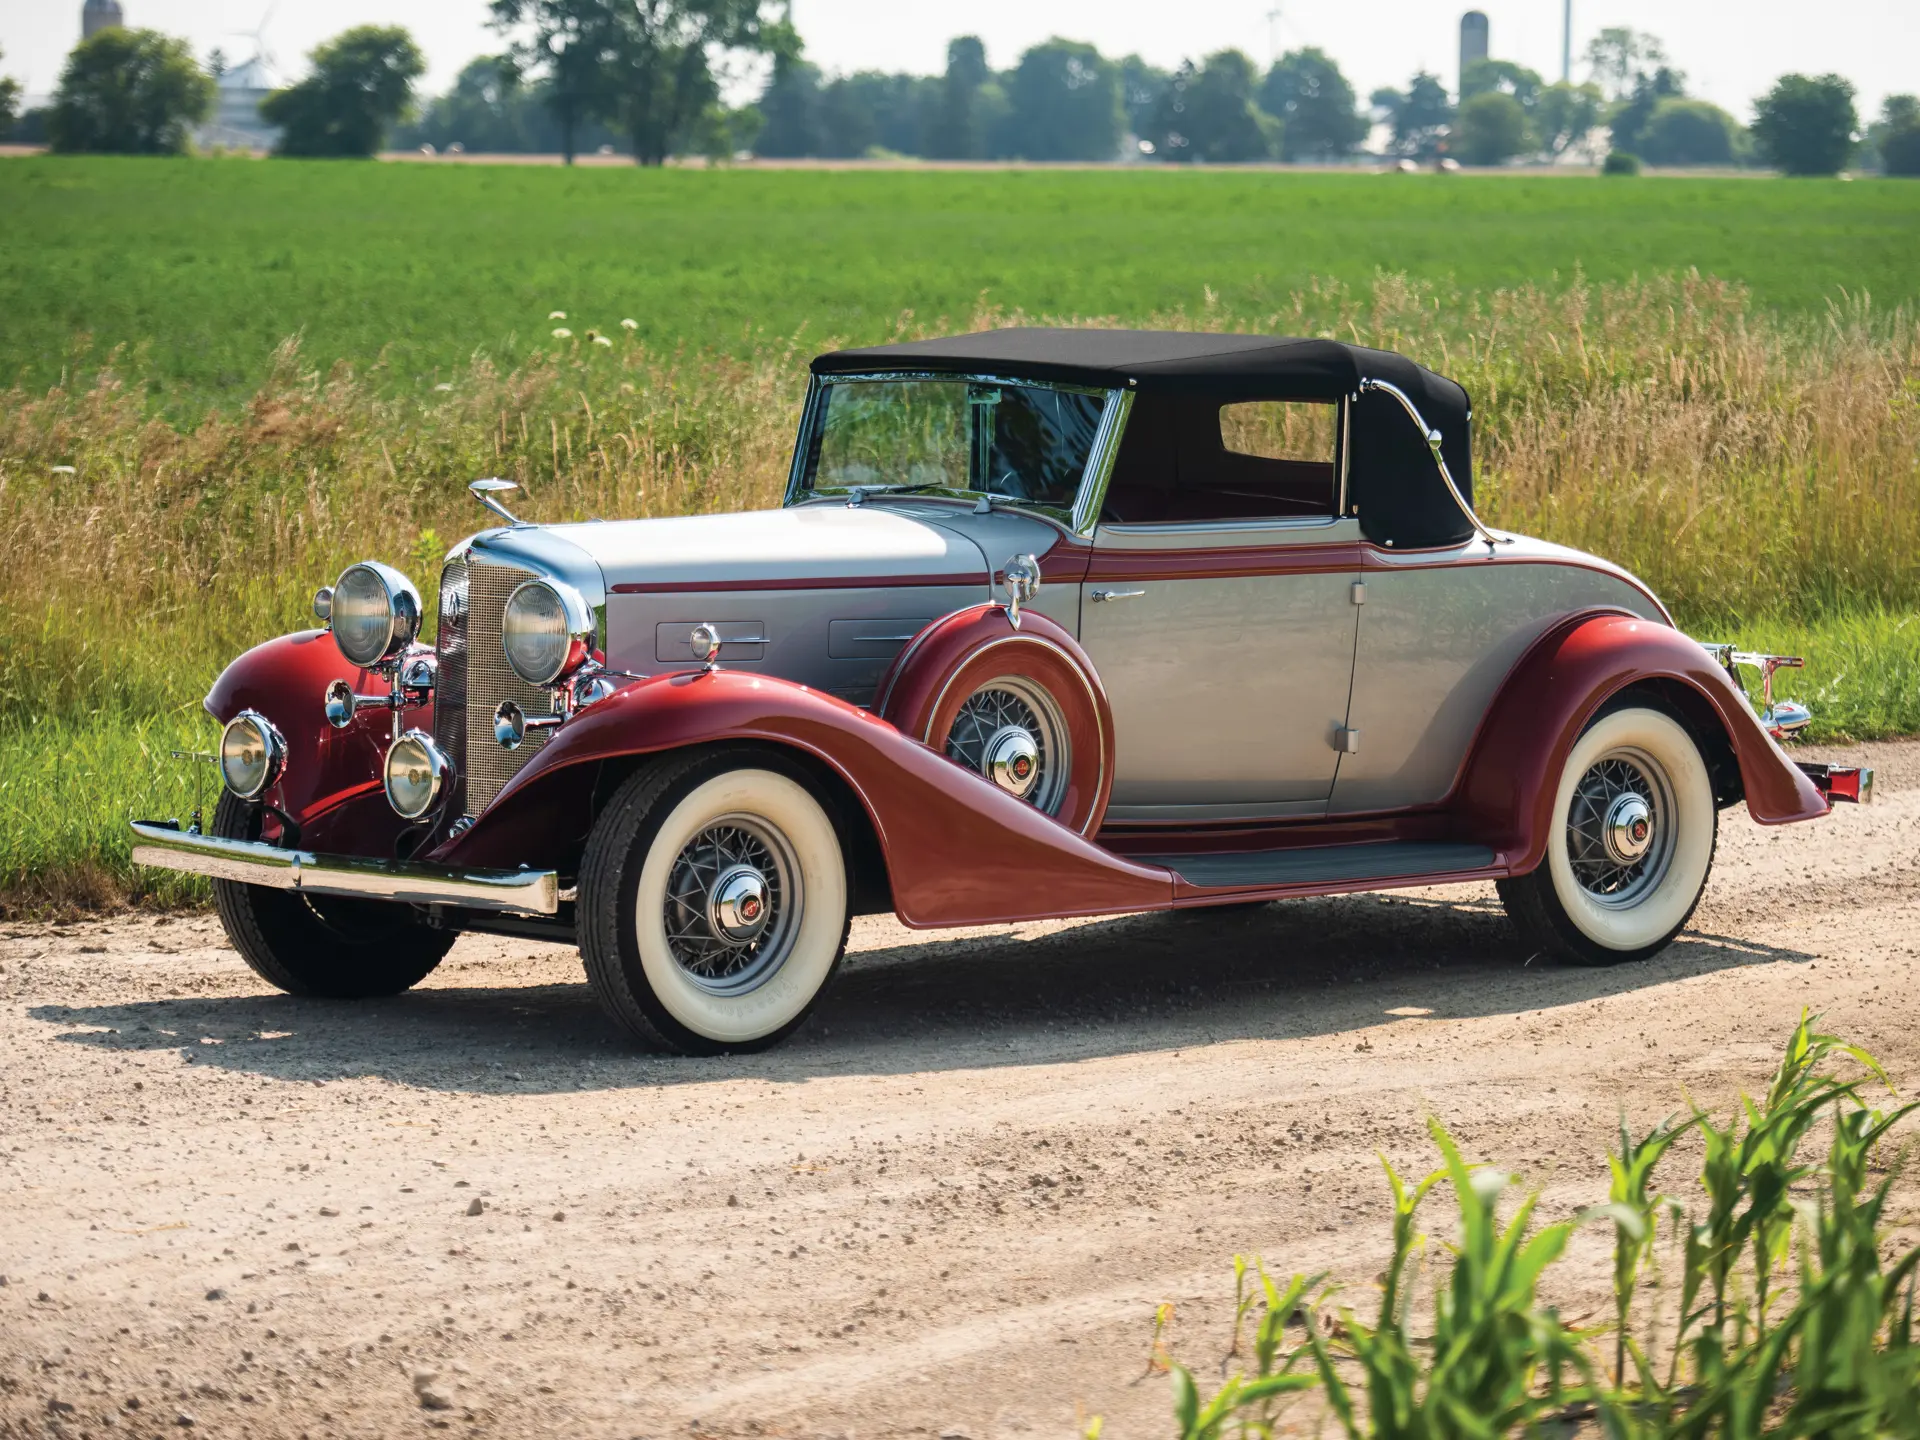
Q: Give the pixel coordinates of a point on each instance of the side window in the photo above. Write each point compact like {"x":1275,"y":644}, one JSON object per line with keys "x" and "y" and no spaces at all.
{"x":1297,"y":431}
{"x":1190,"y":460}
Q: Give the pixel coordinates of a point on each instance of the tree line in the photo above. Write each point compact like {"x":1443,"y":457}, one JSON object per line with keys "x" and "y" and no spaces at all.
{"x":643,"y":77}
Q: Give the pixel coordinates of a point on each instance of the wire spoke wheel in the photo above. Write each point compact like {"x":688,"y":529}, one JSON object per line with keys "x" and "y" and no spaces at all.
{"x":1619,"y":831}
{"x":733,"y":905}
{"x":1011,"y":731}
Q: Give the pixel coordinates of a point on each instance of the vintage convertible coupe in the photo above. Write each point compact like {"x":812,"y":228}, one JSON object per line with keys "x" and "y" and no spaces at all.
{"x":1052,"y":623}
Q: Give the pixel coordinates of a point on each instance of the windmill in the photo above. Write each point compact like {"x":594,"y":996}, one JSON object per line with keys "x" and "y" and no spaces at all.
{"x":1273,"y":36}
{"x":260,"y":71}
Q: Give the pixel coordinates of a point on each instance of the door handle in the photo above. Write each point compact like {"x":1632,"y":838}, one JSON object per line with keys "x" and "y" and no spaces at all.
{"x":1100,"y":597}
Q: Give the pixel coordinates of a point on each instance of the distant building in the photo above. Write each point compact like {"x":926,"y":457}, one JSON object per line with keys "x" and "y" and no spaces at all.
{"x":236,"y":122}
{"x":1473,"y":39}
{"x":97,"y":15}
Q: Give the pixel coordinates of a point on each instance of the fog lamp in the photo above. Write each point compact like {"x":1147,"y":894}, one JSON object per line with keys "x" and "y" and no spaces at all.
{"x":252,"y":754}
{"x":416,"y":774}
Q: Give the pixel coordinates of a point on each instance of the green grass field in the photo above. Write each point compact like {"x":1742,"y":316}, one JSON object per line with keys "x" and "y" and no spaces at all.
{"x":1681,"y":375}
{"x":206,"y":266}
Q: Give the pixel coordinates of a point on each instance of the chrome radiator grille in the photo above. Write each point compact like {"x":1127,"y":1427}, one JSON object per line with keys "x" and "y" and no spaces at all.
{"x":475,"y":678}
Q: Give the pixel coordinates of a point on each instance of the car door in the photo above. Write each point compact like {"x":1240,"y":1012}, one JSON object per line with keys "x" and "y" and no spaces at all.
{"x":1227,"y":655}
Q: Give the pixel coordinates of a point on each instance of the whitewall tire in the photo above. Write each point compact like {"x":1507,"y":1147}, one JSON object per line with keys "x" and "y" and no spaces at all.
{"x":714,"y":903}
{"x":1630,"y":846}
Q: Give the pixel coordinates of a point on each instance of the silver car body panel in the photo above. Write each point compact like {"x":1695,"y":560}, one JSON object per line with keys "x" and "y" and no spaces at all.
{"x":856,"y":578}
{"x":1439,"y":633}
{"x":1227,"y":693}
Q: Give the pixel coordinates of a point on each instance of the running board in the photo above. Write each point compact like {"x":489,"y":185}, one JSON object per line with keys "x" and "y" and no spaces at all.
{"x":1323,"y":865}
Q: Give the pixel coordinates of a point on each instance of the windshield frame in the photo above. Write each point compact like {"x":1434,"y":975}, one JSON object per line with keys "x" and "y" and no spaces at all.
{"x":1077,"y":518}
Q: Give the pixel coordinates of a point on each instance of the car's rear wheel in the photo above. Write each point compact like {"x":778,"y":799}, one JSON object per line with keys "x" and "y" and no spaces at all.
{"x":1632,"y":841}
{"x":325,"y":946}
{"x":714,"y":903}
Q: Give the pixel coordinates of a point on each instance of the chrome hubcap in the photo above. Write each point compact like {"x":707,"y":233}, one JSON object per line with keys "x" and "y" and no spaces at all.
{"x":1629,"y":829}
{"x":1013,"y":760}
{"x":1010,"y":731}
{"x":738,"y":907}
{"x":1619,"y":828}
{"x":733,"y":905}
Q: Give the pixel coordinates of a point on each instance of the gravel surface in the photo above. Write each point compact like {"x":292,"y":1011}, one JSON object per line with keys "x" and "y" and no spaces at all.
{"x":948,"y":1207}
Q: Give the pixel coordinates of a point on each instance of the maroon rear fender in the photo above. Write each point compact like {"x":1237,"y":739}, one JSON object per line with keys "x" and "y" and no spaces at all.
{"x":332,"y":785}
{"x":1512,"y":777}
{"x":958,"y":850}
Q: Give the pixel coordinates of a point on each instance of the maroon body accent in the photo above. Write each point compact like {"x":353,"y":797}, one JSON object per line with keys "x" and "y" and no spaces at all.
{"x":950,"y":659}
{"x":1226,"y":563}
{"x":1506,"y":795}
{"x":958,"y":849}
{"x":802,"y":582}
{"x":332,"y":787}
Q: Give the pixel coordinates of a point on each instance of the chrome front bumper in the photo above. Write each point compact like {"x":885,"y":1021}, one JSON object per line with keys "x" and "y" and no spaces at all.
{"x":165,"y":846}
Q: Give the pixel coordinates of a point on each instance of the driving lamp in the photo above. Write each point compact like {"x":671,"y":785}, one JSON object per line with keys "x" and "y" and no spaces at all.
{"x":375,"y":613}
{"x":416,"y":774}
{"x":547,"y":631}
{"x":252,"y":754}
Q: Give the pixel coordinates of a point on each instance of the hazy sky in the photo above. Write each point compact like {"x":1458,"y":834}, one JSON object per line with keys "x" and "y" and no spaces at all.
{"x":1731,"y":49}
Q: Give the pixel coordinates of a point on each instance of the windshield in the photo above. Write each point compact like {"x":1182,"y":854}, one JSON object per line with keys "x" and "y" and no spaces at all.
{"x":1024,"y":442}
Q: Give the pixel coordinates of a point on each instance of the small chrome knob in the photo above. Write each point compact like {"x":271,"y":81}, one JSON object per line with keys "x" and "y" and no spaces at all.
{"x":509,"y":725}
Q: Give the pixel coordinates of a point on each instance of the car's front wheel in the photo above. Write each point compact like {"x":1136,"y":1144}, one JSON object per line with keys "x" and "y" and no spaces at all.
{"x":326,"y":946}
{"x":1632,"y":840}
{"x":714,"y":903}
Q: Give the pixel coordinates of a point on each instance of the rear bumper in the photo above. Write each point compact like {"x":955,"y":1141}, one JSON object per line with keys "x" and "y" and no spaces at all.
{"x":1851,"y":783}
{"x":165,"y":846}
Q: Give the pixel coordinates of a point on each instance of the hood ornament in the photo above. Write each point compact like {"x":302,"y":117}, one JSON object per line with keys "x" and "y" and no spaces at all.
{"x":485,"y":490}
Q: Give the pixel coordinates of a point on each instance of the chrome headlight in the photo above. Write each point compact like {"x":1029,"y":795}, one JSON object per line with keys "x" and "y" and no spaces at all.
{"x":416,"y":775}
{"x":252,"y":754}
{"x":547,"y":631}
{"x":375,"y":612}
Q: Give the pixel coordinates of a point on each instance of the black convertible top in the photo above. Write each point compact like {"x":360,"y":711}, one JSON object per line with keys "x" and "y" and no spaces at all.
{"x":1395,"y":487}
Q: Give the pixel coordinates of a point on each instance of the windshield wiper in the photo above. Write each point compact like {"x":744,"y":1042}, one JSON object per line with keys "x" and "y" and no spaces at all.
{"x":857,"y":494}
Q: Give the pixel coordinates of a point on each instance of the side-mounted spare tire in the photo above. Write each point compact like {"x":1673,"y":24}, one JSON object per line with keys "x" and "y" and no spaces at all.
{"x":1021,"y":706}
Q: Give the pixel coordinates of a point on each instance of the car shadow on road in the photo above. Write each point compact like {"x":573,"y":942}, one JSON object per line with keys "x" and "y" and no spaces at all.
{"x":1134,"y":984}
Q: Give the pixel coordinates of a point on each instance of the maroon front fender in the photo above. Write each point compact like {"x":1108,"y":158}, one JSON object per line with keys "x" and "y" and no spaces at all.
{"x":1506,"y":795}
{"x":332,"y":785}
{"x":959,"y":851}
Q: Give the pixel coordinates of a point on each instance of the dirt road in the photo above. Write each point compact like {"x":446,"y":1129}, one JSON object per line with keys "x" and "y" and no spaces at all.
{"x":948,"y":1207}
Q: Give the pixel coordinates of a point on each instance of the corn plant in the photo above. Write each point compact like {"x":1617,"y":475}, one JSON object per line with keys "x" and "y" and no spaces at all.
{"x":1497,"y":1362}
{"x":1761,"y":1348}
{"x":1247,"y":1402}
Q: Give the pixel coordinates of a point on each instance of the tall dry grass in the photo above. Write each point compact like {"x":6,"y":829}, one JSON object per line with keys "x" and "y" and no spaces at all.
{"x":1752,"y":469}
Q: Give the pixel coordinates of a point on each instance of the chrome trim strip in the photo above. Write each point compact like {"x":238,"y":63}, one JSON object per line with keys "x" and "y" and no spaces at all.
{"x":803,"y":446}
{"x":532,"y":892}
{"x":1099,"y":472}
{"x":1346,"y":453}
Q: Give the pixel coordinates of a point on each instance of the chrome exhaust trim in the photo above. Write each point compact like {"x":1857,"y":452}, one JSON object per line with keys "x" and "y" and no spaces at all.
{"x":165,"y":846}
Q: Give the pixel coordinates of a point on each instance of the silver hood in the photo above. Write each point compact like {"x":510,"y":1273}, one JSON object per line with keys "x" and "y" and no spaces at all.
{"x":807,"y":546}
